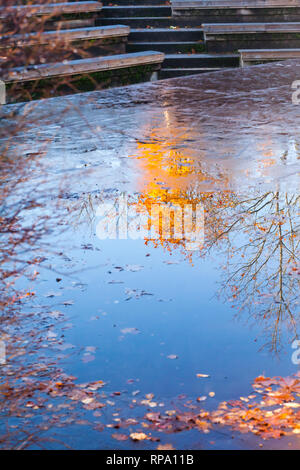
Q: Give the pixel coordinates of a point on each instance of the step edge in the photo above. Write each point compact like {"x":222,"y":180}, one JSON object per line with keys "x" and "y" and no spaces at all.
{"x":122,"y":30}
{"x":75,"y":66}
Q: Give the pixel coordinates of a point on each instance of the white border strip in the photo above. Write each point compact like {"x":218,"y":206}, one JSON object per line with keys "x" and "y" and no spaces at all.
{"x":2,"y":93}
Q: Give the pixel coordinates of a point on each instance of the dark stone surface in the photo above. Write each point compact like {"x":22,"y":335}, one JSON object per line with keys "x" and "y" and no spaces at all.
{"x":241,"y":123}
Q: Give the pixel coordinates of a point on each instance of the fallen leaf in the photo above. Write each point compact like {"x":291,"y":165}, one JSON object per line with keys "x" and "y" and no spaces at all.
{"x":120,"y":437}
{"x":172,"y":356}
{"x":138,"y":436}
{"x":88,"y":358}
{"x":202,"y":398}
{"x":165,"y":447}
{"x":133,"y":331}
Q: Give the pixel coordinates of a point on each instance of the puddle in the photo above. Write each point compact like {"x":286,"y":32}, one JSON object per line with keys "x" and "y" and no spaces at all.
{"x":161,"y":240}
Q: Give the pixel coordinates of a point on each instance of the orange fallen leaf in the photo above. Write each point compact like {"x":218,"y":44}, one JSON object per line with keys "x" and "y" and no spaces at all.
{"x":165,"y":447}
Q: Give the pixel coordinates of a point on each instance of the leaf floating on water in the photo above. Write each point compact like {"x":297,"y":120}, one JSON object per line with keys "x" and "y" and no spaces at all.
{"x":171,"y":412}
{"x":133,"y":331}
{"x":203,"y":398}
{"x":87,"y":401}
{"x":95,"y":385}
{"x":136,"y":293}
{"x":152,"y":404}
{"x":153,"y":416}
{"x":63,"y":347}
{"x":56,"y":314}
{"x":165,"y":447}
{"x":51,"y":335}
{"x":203,"y":425}
{"x":148,"y":402}
{"x":134,"y":267}
{"x":87,"y":246}
{"x":292,"y":405}
{"x":30,"y":404}
{"x":120,"y":437}
{"x":138,"y":436}
{"x":149,"y":396}
{"x":52,"y":294}
{"x":111,"y":403}
{"x":88,"y":358}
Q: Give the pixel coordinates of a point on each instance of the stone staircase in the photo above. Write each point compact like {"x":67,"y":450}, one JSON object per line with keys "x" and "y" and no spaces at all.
{"x":153,"y":27}
{"x":204,"y":35}
{"x":236,"y":11}
{"x":86,"y":45}
{"x":258,"y":31}
{"x":63,"y":50}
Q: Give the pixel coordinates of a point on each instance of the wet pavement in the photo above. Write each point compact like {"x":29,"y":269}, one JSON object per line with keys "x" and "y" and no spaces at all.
{"x":170,"y":256}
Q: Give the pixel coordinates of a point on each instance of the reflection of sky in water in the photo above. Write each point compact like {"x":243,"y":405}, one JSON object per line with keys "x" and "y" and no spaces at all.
{"x":182,"y":316}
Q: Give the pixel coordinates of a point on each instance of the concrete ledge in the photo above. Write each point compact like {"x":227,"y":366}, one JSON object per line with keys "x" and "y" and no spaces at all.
{"x":68,"y":35}
{"x":237,"y":11}
{"x":79,"y":76}
{"x":250,"y":56}
{"x":241,"y":28}
{"x":206,"y":4}
{"x":75,"y":67}
{"x":230,"y":37}
{"x":53,"y":9}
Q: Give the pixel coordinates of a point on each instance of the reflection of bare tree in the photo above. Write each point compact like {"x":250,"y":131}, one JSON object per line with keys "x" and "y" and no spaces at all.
{"x":261,"y":238}
{"x":37,"y":397}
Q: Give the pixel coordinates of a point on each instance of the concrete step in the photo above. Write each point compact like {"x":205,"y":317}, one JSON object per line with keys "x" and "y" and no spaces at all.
{"x":253,"y":57}
{"x":164,"y":35}
{"x":53,"y":9}
{"x":54,"y":15}
{"x":110,"y":3}
{"x":233,"y":36}
{"x":135,"y":2}
{"x":228,"y":28}
{"x":53,"y":46}
{"x":80,"y":75}
{"x":75,"y":67}
{"x":144,"y":22}
{"x":136,"y":11}
{"x":200,"y":60}
{"x":181,"y":72}
{"x":167,"y":47}
{"x":68,"y":35}
{"x":195,"y":5}
{"x":215,"y":11}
